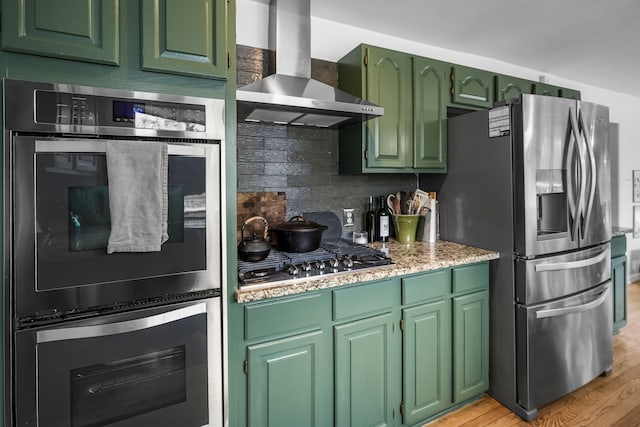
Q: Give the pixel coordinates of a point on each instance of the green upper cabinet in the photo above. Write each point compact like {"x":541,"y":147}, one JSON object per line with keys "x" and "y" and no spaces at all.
{"x":184,"y":40}
{"x":511,"y":87}
{"x":411,"y":136}
{"x":472,"y":87}
{"x":545,"y":89}
{"x":71,"y":29}
{"x":388,"y":75}
{"x":570,"y":93}
{"x":430,"y":87}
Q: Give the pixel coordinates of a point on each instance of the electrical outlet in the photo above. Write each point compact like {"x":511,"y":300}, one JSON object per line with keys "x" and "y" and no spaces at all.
{"x":347,"y":218}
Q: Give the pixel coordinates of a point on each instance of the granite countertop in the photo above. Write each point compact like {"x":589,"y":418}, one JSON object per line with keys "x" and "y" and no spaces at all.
{"x":410,"y":258}
{"x":620,"y":231}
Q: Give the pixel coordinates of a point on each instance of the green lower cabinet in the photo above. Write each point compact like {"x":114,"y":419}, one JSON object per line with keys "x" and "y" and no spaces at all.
{"x":619,"y":285}
{"x":394,"y":352}
{"x":366,"y":360}
{"x":470,"y":345}
{"x":289,"y":382}
{"x":426,"y":360}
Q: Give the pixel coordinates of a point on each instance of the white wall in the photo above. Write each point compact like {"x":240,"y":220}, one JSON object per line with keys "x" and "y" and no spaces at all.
{"x":330,"y":41}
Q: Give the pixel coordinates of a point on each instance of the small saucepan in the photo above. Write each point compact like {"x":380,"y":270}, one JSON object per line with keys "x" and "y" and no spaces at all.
{"x":298,"y":235}
{"x":255,"y":248}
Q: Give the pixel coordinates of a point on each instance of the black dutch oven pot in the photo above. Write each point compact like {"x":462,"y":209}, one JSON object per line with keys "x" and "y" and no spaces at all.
{"x":256,"y":248}
{"x":298,"y":235}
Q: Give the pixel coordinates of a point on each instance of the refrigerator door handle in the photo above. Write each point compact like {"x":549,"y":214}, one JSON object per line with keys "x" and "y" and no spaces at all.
{"x":580,"y":172}
{"x":592,"y":174}
{"x":555,"y":312}
{"x":554,"y":266}
{"x":570,"y":176}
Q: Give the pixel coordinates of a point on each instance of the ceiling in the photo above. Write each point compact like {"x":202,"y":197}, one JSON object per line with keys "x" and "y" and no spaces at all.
{"x":596,"y":42}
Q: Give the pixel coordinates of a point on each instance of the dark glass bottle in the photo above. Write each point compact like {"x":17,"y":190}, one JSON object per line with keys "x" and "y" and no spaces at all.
{"x":383,"y":221}
{"x":370,"y":221}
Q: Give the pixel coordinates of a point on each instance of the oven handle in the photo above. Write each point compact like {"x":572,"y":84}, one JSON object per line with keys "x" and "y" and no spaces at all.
{"x":116,"y":328}
{"x":100,"y":146}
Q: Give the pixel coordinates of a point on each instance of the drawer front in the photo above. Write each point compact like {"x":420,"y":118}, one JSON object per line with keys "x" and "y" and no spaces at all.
{"x":285,"y":315}
{"x":361,"y":300}
{"x":471,"y":277}
{"x":426,"y":286}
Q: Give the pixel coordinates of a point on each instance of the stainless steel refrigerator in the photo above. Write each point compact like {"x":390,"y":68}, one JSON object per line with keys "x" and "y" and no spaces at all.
{"x":531,"y":180}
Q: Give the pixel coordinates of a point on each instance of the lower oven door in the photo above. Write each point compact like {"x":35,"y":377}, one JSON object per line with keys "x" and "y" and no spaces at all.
{"x":563,"y":345}
{"x":145,"y":368}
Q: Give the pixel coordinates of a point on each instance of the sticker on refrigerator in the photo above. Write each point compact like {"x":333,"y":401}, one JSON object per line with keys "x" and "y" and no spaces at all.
{"x":499,"y":122}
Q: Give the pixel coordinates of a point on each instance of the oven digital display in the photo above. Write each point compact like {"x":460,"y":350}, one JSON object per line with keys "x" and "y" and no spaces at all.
{"x":160,"y":115}
{"x":126,"y":111}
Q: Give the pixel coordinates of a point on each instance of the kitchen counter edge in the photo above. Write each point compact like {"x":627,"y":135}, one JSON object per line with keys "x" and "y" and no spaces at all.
{"x":411,"y":258}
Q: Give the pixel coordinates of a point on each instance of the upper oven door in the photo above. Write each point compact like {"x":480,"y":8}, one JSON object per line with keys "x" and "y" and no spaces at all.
{"x":62,"y":223}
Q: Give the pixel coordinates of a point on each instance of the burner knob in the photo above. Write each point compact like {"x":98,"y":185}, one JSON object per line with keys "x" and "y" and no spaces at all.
{"x":320,"y":265}
{"x":333,"y":263}
{"x":306,"y":266}
{"x":347,"y":262}
{"x":293,"y":270}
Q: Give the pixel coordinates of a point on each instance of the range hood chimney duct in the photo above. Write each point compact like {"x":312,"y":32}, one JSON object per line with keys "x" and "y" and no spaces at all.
{"x":291,"y":96}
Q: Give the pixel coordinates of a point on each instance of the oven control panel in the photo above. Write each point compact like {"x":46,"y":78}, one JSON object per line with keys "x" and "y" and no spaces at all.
{"x":63,"y":108}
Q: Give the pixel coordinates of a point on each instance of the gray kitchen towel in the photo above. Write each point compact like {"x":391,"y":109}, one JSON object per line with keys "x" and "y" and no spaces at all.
{"x":137,"y":173}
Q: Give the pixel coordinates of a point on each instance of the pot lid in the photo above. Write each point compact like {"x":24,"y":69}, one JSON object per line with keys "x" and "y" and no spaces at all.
{"x":299,"y":223}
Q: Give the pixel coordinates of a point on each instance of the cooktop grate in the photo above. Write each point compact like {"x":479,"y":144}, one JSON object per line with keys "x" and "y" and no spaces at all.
{"x":278,"y":266}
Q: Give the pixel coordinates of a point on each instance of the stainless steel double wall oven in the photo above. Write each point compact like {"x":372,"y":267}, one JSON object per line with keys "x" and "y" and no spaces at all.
{"x":93,"y":338}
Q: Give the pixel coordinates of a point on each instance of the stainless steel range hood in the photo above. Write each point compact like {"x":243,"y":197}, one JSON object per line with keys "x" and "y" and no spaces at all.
{"x":291,"y":96}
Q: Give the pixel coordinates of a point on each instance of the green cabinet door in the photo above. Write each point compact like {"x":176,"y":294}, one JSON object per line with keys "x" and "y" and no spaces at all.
{"x":71,"y":29}
{"x":389,"y":84}
{"x":470,"y":345}
{"x":570,"y":93}
{"x":546,"y":89}
{"x":619,"y":285}
{"x":365,"y":370}
{"x":184,"y":40}
{"x":472,"y":87}
{"x":511,"y":87}
{"x":430,"y":90}
{"x":426,"y":360}
{"x":289,"y":382}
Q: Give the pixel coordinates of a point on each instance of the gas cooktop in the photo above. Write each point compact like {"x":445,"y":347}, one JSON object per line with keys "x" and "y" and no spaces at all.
{"x":332,"y":257}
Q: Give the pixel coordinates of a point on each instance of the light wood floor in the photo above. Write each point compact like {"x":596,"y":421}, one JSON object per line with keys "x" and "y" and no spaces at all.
{"x":606,"y":401}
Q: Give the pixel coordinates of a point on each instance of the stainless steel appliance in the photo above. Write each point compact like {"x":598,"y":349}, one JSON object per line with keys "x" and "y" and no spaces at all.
{"x":109,"y":328}
{"x":291,"y":96}
{"x":531,"y":180}
{"x":333,"y":257}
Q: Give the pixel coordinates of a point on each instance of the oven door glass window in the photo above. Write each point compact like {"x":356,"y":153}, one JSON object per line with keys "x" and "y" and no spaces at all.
{"x":73,"y":223}
{"x":119,"y":371}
